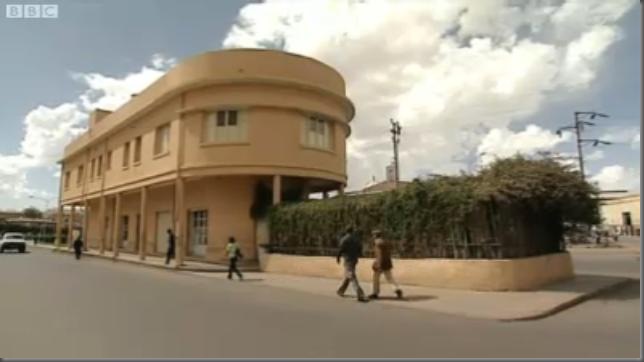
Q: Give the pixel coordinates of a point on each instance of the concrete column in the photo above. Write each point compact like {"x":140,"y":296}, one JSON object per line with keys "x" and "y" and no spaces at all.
{"x":85,"y":225}
{"x":325,"y":195}
{"x":142,"y":226}
{"x":306,"y":190}
{"x":101,"y":222}
{"x":341,"y":190}
{"x":70,"y":227}
{"x":277,"y":189}
{"x":116,"y":226}
{"x":180,"y":222}
{"x":59,"y":226}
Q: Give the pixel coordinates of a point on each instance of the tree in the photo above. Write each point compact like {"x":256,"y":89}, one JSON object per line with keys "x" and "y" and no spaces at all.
{"x":32,"y":212}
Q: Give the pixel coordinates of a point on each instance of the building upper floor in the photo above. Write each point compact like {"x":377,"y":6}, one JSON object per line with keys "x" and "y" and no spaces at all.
{"x":226,"y":112}
{"x":623,"y":210}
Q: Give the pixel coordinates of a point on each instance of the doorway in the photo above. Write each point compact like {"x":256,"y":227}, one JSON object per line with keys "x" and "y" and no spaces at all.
{"x":163,"y":223}
{"x":198,"y":232}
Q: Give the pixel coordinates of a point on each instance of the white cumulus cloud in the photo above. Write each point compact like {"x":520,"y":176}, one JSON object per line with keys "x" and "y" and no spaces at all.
{"x":595,"y":155}
{"x":617,"y":177}
{"x":635,"y":142}
{"x":501,"y":143}
{"x":109,"y":93}
{"x":449,"y":71}
{"x":49,"y":129}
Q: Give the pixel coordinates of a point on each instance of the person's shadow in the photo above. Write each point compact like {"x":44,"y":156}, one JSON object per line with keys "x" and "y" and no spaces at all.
{"x":406,"y":298}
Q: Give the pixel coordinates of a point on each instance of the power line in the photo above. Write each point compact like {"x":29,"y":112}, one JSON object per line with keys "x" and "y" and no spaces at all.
{"x":578,"y":127}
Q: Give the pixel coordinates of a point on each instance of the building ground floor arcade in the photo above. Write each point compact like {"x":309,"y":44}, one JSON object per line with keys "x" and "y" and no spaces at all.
{"x":203,"y":212}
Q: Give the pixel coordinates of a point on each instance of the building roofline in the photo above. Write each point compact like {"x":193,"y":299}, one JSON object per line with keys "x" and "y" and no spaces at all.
{"x":282,"y":52}
{"x":167,"y":91}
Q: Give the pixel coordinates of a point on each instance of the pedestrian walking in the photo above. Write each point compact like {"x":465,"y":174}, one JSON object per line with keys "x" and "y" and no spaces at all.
{"x":382,"y":264}
{"x":234,"y":254}
{"x":78,"y":246}
{"x":350,"y":251}
{"x":171,"y":244}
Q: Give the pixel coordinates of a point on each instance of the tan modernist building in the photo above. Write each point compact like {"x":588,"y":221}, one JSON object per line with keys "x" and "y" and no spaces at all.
{"x":199,"y":147}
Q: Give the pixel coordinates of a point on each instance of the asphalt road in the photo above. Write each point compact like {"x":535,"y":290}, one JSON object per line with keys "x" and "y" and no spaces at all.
{"x":54,"y":306}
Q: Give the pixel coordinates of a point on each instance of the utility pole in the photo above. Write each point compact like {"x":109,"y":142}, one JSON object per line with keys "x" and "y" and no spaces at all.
{"x":395,"y":138}
{"x":579,"y":128}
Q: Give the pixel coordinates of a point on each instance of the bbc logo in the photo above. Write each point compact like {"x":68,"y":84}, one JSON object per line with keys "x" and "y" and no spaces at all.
{"x":37,"y":11}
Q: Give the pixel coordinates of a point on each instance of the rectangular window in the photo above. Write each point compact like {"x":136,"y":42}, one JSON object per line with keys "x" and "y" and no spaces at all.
{"x":68,"y":176}
{"x":126,"y":155}
{"x":317,"y":133}
{"x":79,"y":176}
{"x":99,"y":166}
{"x":199,"y":227}
{"x":109,"y":161}
{"x":92,"y":168}
{"x":162,"y":140}
{"x":137,"y":150}
{"x":224,"y":127}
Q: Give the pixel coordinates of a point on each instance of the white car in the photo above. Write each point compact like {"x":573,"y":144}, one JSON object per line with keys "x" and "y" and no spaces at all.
{"x":15,"y":241}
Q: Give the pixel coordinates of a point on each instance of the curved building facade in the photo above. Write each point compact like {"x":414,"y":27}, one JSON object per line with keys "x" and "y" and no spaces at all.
{"x":204,"y":145}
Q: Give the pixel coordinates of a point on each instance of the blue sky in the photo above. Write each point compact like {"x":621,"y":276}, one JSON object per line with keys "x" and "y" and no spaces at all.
{"x":465,"y":78}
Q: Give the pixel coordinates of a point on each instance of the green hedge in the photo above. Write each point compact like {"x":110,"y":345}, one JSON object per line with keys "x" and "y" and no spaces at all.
{"x":514,"y":208}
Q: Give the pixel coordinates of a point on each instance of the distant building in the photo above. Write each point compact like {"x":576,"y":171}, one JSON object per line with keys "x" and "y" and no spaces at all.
{"x":30,"y":222}
{"x":4,"y":215}
{"x":382,"y":186}
{"x":390,"y":173}
{"x":389,"y":184}
{"x":622,"y":214}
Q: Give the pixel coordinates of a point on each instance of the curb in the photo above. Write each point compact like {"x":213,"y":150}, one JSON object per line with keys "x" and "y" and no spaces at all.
{"x":571,"y":303}
{"x":136,"y":262}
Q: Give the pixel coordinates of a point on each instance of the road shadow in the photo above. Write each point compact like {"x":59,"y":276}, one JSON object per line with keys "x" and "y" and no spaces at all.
{"x":253,"y":280}
{"x":7,"y":252}
{"x":628,"y":291}
{"x":580,"y":283}
{"x":408,"y":298}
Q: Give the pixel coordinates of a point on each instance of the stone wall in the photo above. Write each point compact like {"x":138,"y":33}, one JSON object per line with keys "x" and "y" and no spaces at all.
{"x":469,"y":274}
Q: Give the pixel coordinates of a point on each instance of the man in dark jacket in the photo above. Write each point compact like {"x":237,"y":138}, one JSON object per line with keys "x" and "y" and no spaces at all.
{"x":78,"y":246}
{"x":171,"y":243}
{"x":350,"y":251}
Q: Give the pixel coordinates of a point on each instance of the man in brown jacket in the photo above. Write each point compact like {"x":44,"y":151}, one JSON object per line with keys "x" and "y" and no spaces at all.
{"x":382,"y":265}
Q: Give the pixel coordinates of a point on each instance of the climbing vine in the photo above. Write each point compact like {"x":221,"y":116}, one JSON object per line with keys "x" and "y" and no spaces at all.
{"x":513,"y":208}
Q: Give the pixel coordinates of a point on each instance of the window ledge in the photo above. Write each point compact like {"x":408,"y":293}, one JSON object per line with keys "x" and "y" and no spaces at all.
{"x":125,"y":168}
{"x":224,"y":144}
{"x":312,"y":148}
{"x":137,"y":163}
{"x":159,"y":155}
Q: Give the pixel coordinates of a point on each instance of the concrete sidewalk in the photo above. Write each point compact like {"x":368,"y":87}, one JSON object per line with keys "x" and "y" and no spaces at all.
{"x":155,"y":261}
{"x":625,"y":244}
{"x":502,"y":306}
